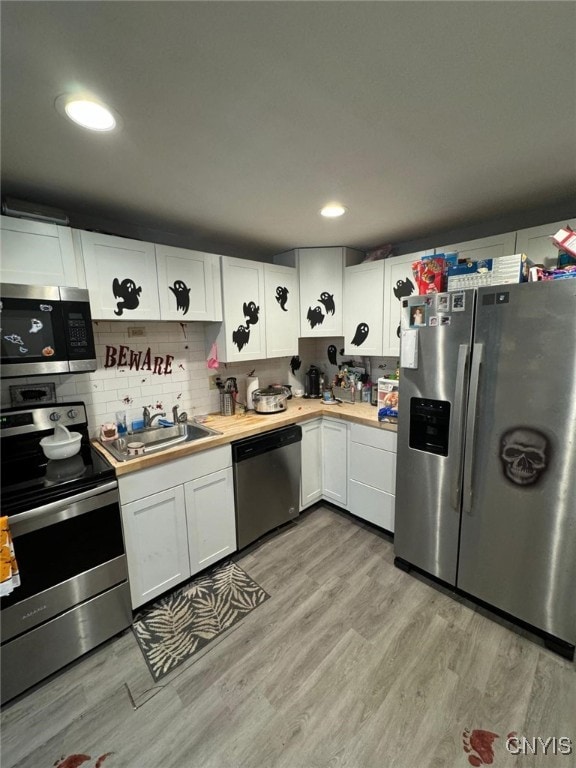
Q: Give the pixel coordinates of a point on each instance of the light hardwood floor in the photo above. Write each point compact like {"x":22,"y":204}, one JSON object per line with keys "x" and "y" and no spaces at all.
{"x":352,"y":663}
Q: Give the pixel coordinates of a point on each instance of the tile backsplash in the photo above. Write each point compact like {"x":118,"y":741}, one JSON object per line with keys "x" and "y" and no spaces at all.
{"x":173,"y":372}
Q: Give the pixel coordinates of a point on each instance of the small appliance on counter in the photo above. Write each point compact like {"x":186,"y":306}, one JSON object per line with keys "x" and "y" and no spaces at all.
{"x":270,"y":399}
{"x":312,"y":382}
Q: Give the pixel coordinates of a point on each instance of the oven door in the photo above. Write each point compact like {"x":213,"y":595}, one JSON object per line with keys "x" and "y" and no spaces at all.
{"x":67,"y":552}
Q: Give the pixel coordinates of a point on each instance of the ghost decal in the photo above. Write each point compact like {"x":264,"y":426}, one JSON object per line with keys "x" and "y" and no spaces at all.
{"x":251,"y":312}
{"x":282,"y":297}
{"x":241,"y":336}
{"x":328,"y":300}
{"x":362,"y":331}
{"x":315,"y":316}
{"x":332,"y":354}
{"x":295,"y":364}
{"x":35,"y":325}
{"x":524,"y":455}
{"x":398,"y":331}
{"x":127,"y":291}
{"x":182,"y":294}
{"x":404,"y":288}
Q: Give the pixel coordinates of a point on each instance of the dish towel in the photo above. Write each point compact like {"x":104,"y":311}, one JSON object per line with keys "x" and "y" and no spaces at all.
{"x":9,"y":578}
{"x":212,"y":361}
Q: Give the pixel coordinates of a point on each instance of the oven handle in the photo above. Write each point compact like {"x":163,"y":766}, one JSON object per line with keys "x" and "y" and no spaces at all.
{"x":64,"y":509}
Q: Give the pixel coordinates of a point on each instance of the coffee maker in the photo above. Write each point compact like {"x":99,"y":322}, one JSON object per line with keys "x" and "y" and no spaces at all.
{"x":312,"y":382}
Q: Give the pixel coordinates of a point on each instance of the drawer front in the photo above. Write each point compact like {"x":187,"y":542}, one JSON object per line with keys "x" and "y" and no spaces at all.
{"x":137,"y":485}
{"x":374,"y":436}
{"x":373,"y":467}
{"x":370,"y":504}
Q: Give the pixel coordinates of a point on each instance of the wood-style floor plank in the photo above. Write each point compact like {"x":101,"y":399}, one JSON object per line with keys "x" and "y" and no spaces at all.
{"x":351,"y":663}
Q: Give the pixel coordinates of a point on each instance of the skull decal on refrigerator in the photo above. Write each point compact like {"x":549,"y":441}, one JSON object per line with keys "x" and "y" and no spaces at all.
{"x":524,"y":455}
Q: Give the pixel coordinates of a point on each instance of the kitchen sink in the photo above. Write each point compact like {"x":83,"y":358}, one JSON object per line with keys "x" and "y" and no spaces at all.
{"x":157,"y":438}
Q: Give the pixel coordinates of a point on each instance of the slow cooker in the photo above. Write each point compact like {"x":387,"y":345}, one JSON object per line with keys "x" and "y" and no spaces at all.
{"x":270,"y":399}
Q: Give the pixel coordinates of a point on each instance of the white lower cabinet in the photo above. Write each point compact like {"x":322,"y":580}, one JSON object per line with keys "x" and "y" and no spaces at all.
{"x":372,"y":477}
{"x":156,"y":544}
{"x":335,"y":461}
{"x":311,"y":453}
{"x":210,"y":524}
{"x":178,"y":518}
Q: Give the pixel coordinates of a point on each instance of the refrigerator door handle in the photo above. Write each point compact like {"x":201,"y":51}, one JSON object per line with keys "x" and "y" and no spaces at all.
{"x":457,"y":427}
{"x":477,"y":352}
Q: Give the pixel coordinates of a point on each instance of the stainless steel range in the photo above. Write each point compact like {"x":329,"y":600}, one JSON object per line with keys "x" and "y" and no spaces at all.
{"x":64,"y":517}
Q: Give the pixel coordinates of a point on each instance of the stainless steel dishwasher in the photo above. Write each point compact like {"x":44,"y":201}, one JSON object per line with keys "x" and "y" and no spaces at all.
{"x":266,"y":482}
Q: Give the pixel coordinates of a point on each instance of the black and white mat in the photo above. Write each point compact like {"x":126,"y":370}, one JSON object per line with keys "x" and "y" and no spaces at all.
{"x":185,"y":621}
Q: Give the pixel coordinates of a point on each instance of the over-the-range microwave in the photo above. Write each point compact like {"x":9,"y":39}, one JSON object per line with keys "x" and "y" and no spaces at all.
{"x":45,"y":330}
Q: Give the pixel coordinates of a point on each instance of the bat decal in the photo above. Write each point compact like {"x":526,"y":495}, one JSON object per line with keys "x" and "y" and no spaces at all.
{"x":241,"y":336}
{"x":14,"y":339}
{"x":295,"y":364}
{"x":328,"y":300}
{"x":404,"y":288}
{"x":332,"y":354}
{"x":315,"y":316}
{"x":282,"y":297}
{"x":362,"y":331}
{"x":251,"y":313}
{"x":127,"y":291}
{"x":182,"y":294}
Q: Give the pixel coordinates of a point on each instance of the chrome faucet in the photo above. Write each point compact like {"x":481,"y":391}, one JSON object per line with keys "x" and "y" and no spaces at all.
{"x":178,"y":419}
{"x":149,"y":419}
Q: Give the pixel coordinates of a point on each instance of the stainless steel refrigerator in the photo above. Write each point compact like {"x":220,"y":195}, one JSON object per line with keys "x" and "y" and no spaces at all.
{"x":486,"y":465}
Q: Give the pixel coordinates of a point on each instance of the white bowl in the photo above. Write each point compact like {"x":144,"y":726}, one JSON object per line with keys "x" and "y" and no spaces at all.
{"x":62,"y":444}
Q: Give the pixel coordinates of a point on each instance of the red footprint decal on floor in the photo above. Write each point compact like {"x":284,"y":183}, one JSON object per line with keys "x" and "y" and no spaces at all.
{"x":481,"y":743}
{"x":75,"y":761}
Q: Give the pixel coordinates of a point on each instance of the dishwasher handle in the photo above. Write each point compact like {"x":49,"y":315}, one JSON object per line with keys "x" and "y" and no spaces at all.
{"x":250,"y":447}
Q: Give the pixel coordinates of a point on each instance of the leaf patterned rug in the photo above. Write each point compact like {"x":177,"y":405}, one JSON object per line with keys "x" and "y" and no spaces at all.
{"x":185,"y":621}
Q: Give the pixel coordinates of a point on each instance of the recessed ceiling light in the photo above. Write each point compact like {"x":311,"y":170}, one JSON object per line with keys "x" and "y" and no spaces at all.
{"x":87,"y":112}
{"x":333,"y":210}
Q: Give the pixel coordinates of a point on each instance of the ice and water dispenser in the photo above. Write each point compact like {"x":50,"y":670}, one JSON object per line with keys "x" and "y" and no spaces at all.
{"x":429,"y":425}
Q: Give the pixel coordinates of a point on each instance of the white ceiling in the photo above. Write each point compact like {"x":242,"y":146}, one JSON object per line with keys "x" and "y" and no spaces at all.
{"x":241,"y":119}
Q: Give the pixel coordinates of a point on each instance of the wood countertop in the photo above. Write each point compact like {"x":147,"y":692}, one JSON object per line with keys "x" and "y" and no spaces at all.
{"x":247,"y":424}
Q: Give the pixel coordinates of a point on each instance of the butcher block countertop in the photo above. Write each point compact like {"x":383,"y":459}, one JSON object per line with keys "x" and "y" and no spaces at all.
{"x":248,"y":424}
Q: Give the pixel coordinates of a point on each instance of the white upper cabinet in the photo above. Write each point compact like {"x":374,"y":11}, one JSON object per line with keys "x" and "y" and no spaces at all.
{"x":535,"y":242}
{"x":188,"y":284}
{"x":398,"y":284}
{"x":321,"y":278}
{"x":363,"y":308}
{"x":242,"y":333}
{"x":121,"y":277}
{"x":484,"y":248}
{"x":282,"y":310}
{"x":37,"y":253}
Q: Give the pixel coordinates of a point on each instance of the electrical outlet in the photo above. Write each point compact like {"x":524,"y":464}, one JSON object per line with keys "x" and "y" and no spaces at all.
{"x":212,"y":380}
{"x":136,"y":333}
